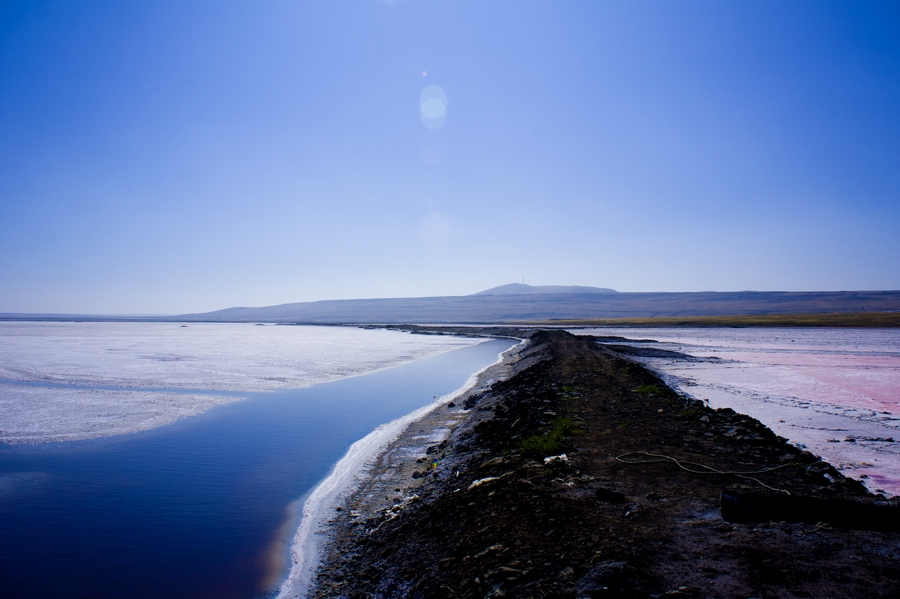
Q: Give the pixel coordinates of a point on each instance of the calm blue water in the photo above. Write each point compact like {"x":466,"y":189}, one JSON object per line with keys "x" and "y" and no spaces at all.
{"x":194,"y":509}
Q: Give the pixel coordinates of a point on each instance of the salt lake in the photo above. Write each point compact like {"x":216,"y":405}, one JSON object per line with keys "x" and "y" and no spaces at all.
{"x":206,"y":503}
{"x":835,"y":392}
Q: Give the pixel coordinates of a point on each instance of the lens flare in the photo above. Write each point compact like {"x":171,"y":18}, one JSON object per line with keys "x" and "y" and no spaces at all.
{"x":433,"y":107}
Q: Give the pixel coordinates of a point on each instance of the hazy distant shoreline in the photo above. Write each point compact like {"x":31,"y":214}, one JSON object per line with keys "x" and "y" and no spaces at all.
{"x":861,"y":320}
{"x":518,"y":304}
{"x":866,"y":320}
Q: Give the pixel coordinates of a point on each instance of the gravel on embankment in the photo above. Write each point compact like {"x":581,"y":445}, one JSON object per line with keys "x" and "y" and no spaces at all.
{"x":484,"y":513}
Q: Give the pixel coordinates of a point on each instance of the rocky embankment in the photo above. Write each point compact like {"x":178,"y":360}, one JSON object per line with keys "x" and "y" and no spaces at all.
{"x":632,"y":508}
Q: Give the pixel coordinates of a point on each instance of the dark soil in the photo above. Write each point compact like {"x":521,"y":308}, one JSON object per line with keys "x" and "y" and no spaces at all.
{"x":495,"y":521}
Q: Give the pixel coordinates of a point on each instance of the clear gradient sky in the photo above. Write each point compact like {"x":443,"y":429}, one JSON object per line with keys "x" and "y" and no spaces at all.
{"x":170,"y":157}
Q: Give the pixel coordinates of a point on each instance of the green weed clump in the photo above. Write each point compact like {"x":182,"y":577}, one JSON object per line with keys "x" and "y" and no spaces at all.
{"x":692,"y":411}
{"x":550,"y":442}
{"x":648,"y":389}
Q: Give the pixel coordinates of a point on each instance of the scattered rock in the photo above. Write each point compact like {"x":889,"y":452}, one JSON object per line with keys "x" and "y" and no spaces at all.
{"x":529,"y":529}
{"x":610,"y":496}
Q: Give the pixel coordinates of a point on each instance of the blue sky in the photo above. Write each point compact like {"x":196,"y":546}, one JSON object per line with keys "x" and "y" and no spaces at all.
{"x":166,"y":157}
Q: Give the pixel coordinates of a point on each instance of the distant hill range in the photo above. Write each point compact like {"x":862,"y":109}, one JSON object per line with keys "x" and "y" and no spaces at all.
{"x":525,"y":303}
{"x":519,"y":303}
{"x":522,"y":289}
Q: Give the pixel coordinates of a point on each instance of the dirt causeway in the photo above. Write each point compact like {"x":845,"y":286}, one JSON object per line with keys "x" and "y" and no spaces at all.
{"x":485,"y":514}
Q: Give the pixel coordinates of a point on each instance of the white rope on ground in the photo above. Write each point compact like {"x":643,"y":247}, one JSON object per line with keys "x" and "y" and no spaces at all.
{"x":659,"y":459}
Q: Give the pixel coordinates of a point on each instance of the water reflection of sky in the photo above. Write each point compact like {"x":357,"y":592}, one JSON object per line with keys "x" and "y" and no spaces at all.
{"x":205,"y":507}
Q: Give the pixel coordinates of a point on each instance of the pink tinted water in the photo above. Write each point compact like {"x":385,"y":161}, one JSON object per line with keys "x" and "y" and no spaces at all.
{"x":833,"y":391}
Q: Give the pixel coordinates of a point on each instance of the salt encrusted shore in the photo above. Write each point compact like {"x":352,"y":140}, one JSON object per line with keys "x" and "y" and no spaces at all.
{"x":629,"y":505}
{"x":390,"y":478}
{"x":376,"y":463}
{"x":75,"y":381}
